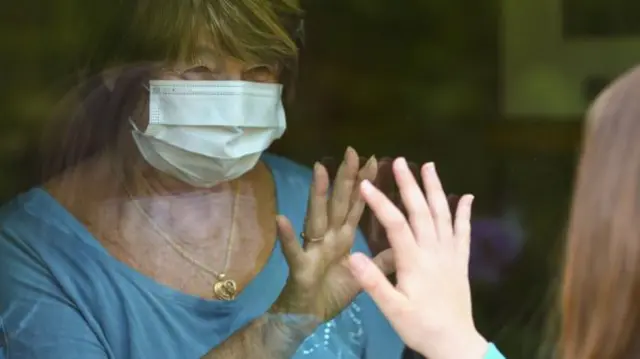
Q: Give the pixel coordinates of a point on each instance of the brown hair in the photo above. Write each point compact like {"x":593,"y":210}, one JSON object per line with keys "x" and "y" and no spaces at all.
{"x":253,"y":31}
{"x":600,"y":300}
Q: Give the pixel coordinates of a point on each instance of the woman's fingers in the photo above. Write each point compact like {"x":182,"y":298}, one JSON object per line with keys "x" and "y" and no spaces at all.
{"x":367,"y":173}
{"x":373,"y":281}
{"x":372,"y":228}
{"x":315,"y":225}
{"x":385,"y":261}
{"x":347,"y":232}
{"x":291,"y":249}
{"x":398,"y":231}
{"x":438,"y":203}
{"x":343,"y":188}
{"x":414,"y":202}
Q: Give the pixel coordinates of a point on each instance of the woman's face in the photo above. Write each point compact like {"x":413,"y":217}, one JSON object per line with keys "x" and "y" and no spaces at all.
{"x":205,"y":65}
{"x":208,"y":65}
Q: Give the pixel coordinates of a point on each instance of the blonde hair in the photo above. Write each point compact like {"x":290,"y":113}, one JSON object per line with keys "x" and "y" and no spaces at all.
{"x":254,"y":31}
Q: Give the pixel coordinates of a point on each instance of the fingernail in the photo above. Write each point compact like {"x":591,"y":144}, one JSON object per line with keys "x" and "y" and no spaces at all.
{"x":431,"y":167}
{"x":366,"y":186}
{"x":370,"y":161}
{"x":403,"y":162}
{"x":316,"y":167}
{"x":349,"y":151}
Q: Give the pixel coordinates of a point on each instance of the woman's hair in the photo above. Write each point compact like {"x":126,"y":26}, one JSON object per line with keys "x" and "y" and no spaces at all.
{"x":254,"y":31}
{"x":600,"y":300}
{"x":138,"y":34}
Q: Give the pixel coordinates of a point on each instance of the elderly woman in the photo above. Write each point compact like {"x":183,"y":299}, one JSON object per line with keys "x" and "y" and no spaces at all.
{"x":165,"y":231}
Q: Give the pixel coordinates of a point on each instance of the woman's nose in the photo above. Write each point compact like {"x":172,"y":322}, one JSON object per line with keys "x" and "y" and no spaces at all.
{"x":231,"y":70}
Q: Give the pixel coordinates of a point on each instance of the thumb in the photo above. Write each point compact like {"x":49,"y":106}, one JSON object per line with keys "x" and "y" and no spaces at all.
{"x":373,"y":281}
{"x":385,"y":261}
{"x":291,"y":248}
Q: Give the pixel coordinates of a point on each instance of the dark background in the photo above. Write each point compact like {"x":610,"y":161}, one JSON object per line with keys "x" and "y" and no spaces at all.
{"x":589,"y":18}
{"x":389,"y":77}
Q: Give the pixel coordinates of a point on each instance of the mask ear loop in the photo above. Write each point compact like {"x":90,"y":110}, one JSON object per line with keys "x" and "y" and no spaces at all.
{"x":133,"y":124}
{"x":290,"y":74}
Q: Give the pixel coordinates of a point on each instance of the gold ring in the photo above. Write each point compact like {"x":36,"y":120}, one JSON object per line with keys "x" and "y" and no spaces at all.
{"x":303,"y":235}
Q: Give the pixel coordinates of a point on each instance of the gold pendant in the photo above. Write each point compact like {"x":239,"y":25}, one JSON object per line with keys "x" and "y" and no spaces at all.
{"x":225,"y":289}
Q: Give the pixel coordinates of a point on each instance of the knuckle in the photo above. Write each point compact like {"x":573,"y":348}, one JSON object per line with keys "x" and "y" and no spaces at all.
{"x":464,"y":227}
{"x":370,"y":283}
{"x":396,"y":222}
{"x":344,"y":240}
{"x":442,"y":211}
{"x":347,"y":231}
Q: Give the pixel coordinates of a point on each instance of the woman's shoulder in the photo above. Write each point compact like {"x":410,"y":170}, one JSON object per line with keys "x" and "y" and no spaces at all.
{"x":26,"y":214}
{"x":287,"y":169}
{"x":29,"y":288}
{"x":35,"y":216}
{"x":292,"y":182}
{"x":36,"y":235}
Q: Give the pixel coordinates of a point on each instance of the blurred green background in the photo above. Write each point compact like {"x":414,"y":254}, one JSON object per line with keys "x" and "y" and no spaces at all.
{"x":493,"y":91}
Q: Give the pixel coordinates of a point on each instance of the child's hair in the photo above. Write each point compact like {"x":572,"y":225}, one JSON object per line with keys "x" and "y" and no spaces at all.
{"x":601,"y":282}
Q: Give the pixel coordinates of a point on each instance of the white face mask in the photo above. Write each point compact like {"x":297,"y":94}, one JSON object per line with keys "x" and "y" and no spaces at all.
{"x":207,"y":132}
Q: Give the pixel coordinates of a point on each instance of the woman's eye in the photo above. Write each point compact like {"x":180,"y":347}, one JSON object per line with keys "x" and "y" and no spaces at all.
{"x":198,"y":69}
{"x":261,"y":74}
{"x":198,"y":73}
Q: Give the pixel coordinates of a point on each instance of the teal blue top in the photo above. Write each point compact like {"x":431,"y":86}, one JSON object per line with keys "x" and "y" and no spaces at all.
{"x":63,"y":296}
{"x":493,"y":353}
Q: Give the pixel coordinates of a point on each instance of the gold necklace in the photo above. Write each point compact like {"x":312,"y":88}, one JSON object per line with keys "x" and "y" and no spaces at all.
{"x":223,"y":288}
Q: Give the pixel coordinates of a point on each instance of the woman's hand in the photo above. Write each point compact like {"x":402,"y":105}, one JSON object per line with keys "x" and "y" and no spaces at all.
{"x":320,"y":283}
{"x":431,"y":305}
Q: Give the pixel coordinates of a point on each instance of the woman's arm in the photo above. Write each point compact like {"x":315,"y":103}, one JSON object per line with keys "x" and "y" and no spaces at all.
{"x":272,"y":336}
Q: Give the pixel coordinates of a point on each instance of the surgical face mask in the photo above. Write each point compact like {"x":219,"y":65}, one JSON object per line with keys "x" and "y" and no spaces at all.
{"x":207,"y":132}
